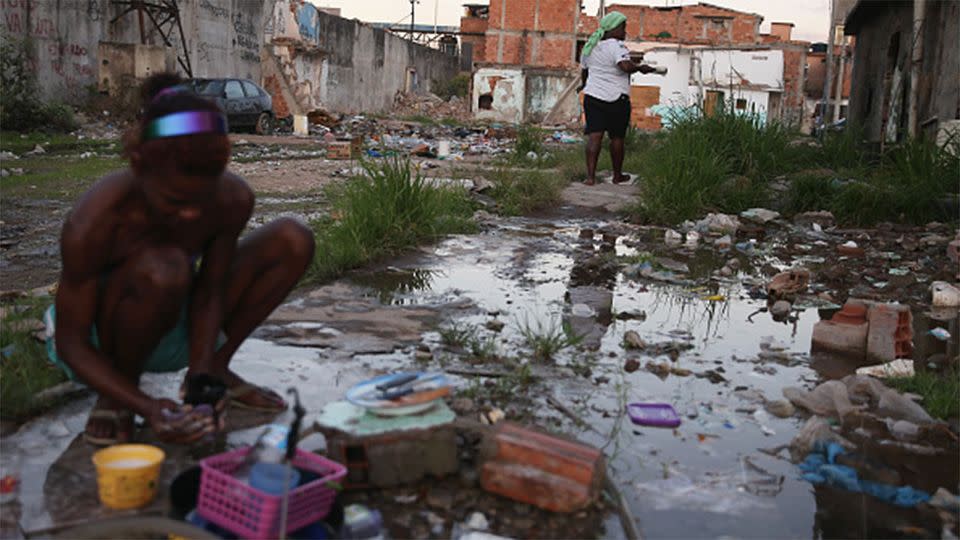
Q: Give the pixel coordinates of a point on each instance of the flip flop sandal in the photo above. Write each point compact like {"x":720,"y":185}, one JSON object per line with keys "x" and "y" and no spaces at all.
{"x":246,"y":388}
{"x":116,"y":417}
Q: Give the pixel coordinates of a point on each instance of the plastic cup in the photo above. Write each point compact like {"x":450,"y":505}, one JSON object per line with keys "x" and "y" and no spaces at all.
{"x":127,"y":474}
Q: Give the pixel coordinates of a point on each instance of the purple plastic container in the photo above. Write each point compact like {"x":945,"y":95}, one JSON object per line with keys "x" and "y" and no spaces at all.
{"x":653,"y":414}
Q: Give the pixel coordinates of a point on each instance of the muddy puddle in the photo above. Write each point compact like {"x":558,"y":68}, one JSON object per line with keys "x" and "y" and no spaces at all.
{"x":718,"y":354}
{"x":485,"y":303}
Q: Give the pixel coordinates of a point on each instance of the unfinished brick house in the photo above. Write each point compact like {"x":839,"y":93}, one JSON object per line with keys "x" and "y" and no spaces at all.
{"x":528,"y":68}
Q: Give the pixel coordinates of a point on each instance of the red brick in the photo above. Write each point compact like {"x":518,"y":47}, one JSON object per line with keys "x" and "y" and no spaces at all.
{"x":280,"y":107}
{"x":556,"y":52}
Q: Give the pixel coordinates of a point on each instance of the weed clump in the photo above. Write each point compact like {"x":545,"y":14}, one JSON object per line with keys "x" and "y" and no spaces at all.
{"x":523,"y":192}
{"x":387,"y":209}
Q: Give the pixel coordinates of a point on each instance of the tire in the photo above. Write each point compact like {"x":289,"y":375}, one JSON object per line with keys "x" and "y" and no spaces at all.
{"x":130,"y":528}
{"x":264,"y":124}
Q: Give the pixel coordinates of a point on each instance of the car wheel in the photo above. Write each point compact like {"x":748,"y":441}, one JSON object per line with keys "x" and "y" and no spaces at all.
{"x":264,"y":124}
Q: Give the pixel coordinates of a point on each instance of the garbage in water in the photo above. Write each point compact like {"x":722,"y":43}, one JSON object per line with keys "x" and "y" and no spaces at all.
{"x":727,"y":493}
{"x":821,"y":467}
{"x":653,"y":414}
{"x":835,"y":399}
{"x":788,"y":284}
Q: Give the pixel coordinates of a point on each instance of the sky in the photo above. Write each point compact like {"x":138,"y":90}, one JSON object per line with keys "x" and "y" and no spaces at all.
{"x":811,"y":17}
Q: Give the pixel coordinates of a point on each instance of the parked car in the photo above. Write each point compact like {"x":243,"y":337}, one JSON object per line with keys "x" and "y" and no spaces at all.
{"x":246,"y":104}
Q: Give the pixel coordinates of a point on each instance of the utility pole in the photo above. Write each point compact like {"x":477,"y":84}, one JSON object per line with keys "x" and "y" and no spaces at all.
{"x":827,"y":87}
{"x":413,"y":4}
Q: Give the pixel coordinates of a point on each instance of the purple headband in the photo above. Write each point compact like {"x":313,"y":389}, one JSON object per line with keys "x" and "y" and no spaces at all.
{"x":185,"y":123}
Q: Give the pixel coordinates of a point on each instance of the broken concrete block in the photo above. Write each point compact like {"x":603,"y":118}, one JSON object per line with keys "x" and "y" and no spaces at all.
{"x":890,"y":333}
{"x":786,"y":284}
{"x":845,"y":339}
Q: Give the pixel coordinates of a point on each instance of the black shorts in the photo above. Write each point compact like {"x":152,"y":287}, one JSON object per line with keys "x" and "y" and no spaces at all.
{"x":610,"y":116}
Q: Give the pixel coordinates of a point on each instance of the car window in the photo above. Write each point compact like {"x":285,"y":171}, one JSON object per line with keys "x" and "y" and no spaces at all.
{"x":234,"y":90}
{"x":210,"y":88}
{"x":251,"y":89}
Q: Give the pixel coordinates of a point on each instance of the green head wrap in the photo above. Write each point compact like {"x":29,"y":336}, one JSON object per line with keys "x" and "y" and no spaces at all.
{"x":608,"y":23}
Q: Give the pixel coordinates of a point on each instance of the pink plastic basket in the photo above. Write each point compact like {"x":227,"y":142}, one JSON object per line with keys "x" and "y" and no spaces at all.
{"x":251,"y":513}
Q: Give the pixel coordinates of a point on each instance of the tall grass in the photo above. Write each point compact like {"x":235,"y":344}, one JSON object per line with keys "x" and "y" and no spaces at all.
{"x":727,"y":162}
{"x":717,"y":162}
{"x":941,"y":393}
{"x":913,"y":182}
{"x":387,"y":209}
{"x":526,"y":191}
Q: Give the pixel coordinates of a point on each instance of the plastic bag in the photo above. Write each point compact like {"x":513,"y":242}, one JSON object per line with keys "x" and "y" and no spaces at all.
{"x":829,"y":399}
{"x":815,"y":430}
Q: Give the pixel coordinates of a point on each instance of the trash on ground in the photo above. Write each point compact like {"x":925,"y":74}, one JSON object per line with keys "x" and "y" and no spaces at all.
{"x":759,"y":215}
{"x":897,"y":368}
{"x":821,"y":467}
{"x":788,"y":284}
{"x":836,"y":399}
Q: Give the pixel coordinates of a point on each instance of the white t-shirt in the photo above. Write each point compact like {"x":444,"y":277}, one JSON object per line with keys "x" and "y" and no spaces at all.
{"x":605,"y":80}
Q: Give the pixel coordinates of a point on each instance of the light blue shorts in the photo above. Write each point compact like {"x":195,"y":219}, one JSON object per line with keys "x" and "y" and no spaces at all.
{"x":171,"y":354}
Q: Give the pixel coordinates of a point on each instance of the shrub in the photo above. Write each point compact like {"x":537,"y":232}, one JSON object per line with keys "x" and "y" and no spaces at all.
{"x":20,"y":106}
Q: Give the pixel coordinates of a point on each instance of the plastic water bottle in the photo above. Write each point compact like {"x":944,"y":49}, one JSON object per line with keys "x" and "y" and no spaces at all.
{"x":270,"y":447}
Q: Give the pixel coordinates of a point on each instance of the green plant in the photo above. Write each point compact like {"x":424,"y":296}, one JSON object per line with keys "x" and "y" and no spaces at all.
{"x":457,"y":336}
{"x":529,"y":139}
{"x":20,"y":107}
{"x":387,"y":209}
{"x":483,"y":348}
{"x":546,"y":340}
{"x":941,"y":393}
{"x":457,"y":86}
{"x":523,"y":192}
{"x":24,"y":368}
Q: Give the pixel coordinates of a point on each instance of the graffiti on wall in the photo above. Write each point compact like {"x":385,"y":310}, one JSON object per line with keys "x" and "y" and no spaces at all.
{"x":308,"y":21}
{"x":214,"y":11}
{"x":247,"y":40}
{"x":20,"y":18}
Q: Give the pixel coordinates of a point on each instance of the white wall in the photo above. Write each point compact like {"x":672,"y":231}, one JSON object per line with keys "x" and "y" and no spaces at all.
{"x":507,"y":86}
{"x":674,"y":86}
{"x":742,"y":68}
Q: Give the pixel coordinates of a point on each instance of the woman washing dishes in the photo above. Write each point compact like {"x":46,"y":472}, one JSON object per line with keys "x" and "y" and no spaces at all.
{"x":606,"y":73}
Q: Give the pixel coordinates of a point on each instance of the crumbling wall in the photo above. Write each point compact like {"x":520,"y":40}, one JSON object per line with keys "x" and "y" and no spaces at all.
{"x":342,"y":65}
{"x":63,"y":38}
{"x":498,"y":94}
{"x":543,"y":91}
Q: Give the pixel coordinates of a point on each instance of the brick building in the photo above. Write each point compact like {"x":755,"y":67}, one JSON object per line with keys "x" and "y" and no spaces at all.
{"x":548,"y":34}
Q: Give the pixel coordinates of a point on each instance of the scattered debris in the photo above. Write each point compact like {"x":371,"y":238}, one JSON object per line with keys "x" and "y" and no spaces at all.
{"x":945,"y":294}
{"x":632,"y":340}
{"x":759,"y":215}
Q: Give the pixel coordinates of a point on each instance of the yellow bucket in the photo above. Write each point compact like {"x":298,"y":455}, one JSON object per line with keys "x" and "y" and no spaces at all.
{"x":127,"y":474}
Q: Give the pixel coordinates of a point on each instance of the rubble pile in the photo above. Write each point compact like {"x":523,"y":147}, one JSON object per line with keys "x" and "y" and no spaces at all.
{"x":432,"y":105}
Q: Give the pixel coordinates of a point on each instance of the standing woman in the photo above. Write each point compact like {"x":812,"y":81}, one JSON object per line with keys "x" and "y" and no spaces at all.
{"x":606,"y":73}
